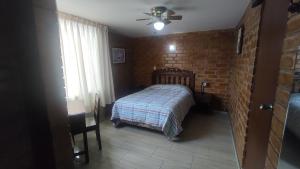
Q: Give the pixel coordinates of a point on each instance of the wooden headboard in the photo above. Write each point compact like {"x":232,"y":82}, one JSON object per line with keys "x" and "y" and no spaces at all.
{"x":174,"y":76}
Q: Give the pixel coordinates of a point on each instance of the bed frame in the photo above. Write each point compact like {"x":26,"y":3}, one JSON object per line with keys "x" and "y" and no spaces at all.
{"x":174,"y":76}
{"x":165,"y":76}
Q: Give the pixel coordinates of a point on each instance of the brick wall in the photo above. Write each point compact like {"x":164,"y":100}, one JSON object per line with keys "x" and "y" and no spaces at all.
{"x":241,"y":76}
{"x":289,"y":64}
{"x":207,"y":54}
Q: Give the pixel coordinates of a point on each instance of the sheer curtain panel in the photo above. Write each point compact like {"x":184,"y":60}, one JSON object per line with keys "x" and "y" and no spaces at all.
{"x":86,"y":60}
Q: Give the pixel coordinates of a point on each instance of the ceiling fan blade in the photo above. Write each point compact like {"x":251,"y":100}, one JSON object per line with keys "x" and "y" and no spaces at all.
{"x":166,"y":22}
{"x":170,"y":12}
{"x":184,"y":8}
{"x":177,"y":17}
{"x":146,"y":19}
{"x":149,"y":14}
{"x":150,"y":23}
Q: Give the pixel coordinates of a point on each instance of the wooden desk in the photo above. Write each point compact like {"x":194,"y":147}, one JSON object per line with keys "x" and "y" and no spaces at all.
{"x":75,"y":107}
{"x":76,"y":113}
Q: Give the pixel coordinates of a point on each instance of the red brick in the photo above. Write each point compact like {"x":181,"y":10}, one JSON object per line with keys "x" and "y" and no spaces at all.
{"x":269,"y":165}
{"x":287,"y":61}
{"x":293,"y":24}
{"x":277,"y":127}
{"x":286,"y":79}
{"x":272,"y":156}
{"x":275,"y":142}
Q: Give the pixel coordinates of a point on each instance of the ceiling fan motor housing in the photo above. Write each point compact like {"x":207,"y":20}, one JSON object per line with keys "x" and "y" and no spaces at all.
{"x":162,"y":15}
{"x":158,"y":11}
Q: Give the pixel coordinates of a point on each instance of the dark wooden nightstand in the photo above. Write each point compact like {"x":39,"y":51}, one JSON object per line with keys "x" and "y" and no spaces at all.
{"x":203,"y":100}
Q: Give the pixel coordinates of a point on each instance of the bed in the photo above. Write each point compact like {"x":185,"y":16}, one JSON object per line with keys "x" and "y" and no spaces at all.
{"x":161,"y":106}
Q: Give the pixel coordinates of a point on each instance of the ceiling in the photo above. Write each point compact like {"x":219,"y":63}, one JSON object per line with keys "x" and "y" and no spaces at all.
{"x":120,"y":15}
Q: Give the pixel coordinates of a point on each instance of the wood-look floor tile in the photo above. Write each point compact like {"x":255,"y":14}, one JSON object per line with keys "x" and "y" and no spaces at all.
{"x":212,"y":164}
{"x":206,"y":143}
{"x":174,"y":165}
{"x":174,"y":156}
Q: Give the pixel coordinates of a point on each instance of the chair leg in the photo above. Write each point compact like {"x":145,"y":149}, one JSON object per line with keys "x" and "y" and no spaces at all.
{"x":98,"y":138}
{"x":73,"y":139}
{"x":73,"y":153}
{"x":86,"y":148}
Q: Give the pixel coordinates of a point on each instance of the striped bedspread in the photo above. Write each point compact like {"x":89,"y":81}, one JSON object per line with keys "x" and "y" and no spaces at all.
{"x":161,"y":107}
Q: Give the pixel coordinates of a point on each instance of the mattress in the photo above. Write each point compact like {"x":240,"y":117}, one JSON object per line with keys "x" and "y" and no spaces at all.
{"x":159,"y":107}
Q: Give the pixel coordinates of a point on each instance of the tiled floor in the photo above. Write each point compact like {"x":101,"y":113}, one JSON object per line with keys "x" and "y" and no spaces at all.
{"x":206,"y":143}
{"x":289,"y":157}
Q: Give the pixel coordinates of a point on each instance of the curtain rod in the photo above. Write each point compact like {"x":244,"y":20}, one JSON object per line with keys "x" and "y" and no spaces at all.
{"x":80,"y":19}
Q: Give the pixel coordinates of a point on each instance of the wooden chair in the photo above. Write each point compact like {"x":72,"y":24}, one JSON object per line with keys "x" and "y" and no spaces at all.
{"x":81,"y":125}
{"x":93,"y":124}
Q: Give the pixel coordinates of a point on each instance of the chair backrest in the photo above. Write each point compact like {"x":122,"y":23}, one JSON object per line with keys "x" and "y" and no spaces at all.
{"x":77,"y":123}
{"x":97,"y":108}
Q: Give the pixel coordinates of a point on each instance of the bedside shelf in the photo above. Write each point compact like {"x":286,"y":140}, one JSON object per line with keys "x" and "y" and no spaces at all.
{"x":203,"y":100}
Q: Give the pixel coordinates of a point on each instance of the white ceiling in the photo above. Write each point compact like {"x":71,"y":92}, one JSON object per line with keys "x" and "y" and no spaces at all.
{"x":120,"y":15}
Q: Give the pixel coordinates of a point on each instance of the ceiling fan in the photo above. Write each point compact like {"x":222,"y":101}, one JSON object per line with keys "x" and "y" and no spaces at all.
{"x":160,"y":16}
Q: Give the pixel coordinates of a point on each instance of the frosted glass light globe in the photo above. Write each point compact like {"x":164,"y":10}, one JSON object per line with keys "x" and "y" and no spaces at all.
{"x":159,"y":25}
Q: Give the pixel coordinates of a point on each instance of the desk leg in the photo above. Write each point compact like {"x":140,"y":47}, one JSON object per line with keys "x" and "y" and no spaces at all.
{"x":86,"y":148}
{"x":98,"y":138}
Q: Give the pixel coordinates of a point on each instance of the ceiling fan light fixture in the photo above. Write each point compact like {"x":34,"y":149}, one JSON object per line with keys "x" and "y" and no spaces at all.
{"x":159,"y":25}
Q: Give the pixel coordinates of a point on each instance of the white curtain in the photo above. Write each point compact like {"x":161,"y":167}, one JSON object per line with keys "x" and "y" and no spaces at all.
{"x":86,"y":60}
